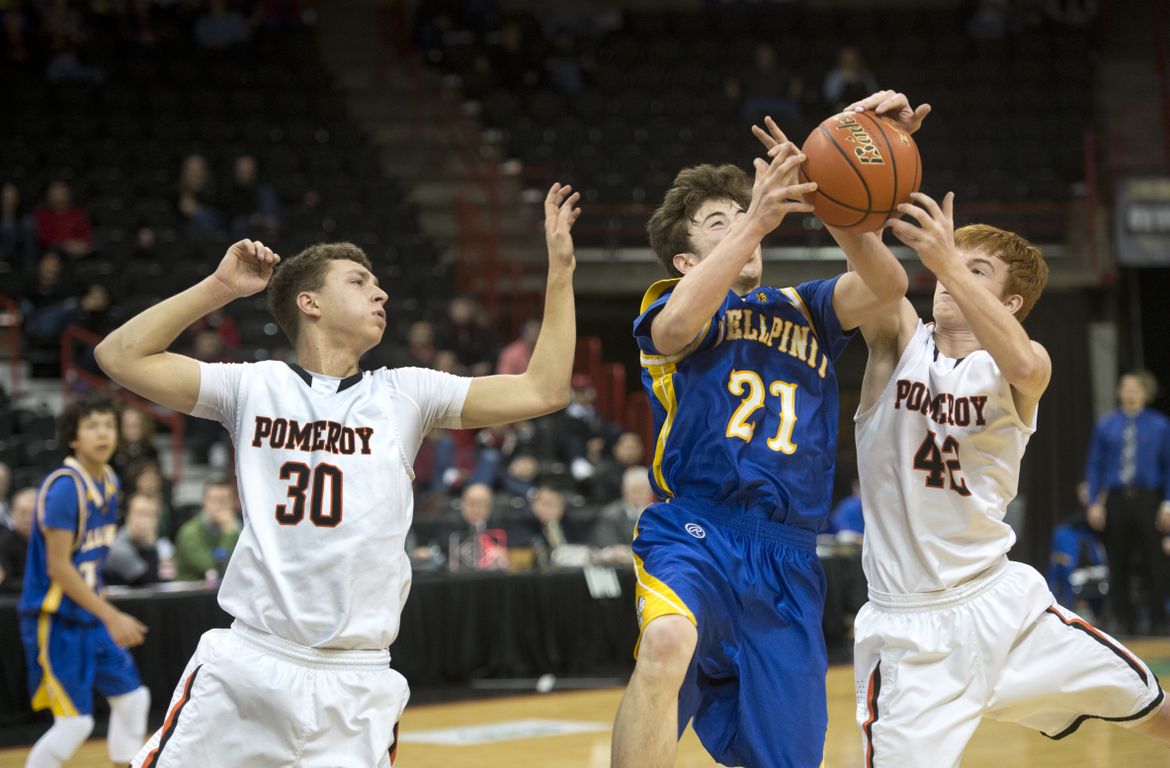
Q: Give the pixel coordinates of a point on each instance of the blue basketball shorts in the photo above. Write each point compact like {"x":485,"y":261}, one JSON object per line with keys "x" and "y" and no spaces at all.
{"x":68,"y":661}
{"x":755,"y":591}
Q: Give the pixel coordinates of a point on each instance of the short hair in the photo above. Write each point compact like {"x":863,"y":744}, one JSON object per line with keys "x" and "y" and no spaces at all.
{"x":1027,"y":271}
{"x":1147,"y":381}
{"x":155,"y":500}
{"x":669,"y":227}
{"x":635,"y":474}
{"x":78,"y":409}
{"x":218,"y":480}
{"x":305,"y":272}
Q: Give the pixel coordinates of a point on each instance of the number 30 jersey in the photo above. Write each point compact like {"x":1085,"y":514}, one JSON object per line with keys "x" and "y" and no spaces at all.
{"x":746,"y":417}
{"x":938,"y":457}
{"x":324,"y":468}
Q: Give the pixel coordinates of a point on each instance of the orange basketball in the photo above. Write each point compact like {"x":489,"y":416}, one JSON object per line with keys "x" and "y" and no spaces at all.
{"x":864,"y":166}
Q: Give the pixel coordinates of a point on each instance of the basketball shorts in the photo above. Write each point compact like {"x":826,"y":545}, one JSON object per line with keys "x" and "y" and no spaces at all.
{"x":755,"y":591}
{"x":248,"y":699}
{"x":68,"y":661}
{"x":927,"y":668}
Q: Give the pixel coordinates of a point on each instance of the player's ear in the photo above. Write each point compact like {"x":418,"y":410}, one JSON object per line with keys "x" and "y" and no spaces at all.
{"x":307,"y":302}
{"x":1013,"y":303}
{"x":685,"y":262}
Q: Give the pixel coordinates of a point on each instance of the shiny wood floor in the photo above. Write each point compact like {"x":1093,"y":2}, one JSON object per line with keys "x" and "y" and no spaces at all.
{"x":1096,"y":745}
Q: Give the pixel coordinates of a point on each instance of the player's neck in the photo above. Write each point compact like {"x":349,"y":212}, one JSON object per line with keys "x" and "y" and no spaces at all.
{"x":95,"y":469}
{"x":744,"y":288}
{"x":325,"y":359}
{"x":955,"y":342}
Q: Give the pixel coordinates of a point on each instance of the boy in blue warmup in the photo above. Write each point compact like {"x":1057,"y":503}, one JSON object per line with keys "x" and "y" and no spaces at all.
{"x":75,"y":641}
{"x":741,"y":382}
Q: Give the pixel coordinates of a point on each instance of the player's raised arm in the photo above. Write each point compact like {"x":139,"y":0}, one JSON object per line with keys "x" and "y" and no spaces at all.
{"x":135,"y":354}
{"x":776,"y":192}
{"x":544,"y":387}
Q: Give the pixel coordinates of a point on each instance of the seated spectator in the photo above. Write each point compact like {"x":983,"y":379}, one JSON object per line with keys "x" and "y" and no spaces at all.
{"x":609,"y":475}
{"x":581,"y":430}
{"x":1078,"y":549}
{"x":849,"y":81}
{"x":95,"y":311}
{"x":205,"y":542}
{"x":136,"y":555}
{"x":135,"y":442}
{"x":145,"y":248}
{"x":514,"y":358}
{"x":465,"y":332}
{"x":251,"y":206}
{"x":14,"y":541}
{"x":18,"y":233}
{"x":565,"y":65}
{"x":61,"y":224}
{"x":221,"y":27}
{"x":846,"y":520}
{"x":145,"y":476}
{"x":768,"y":89}
{"x":516,"y":59}
{"x":614,"y":531}
{"x":48,"y":301}
{"x":197,"y":198}
{"x":520,"y":477}
{"x":468,"y":544}
{"x":543,"y":531}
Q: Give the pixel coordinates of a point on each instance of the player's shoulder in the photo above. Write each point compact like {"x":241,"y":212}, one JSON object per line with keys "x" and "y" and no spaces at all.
{"x":657,"y":290}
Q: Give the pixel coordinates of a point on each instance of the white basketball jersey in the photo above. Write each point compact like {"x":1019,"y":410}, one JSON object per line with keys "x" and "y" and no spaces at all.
{"x":324,"y":473}
{"x":938,"y":458}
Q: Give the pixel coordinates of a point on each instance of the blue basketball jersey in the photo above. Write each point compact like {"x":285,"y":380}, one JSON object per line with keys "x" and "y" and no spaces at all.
{"x":746,"y":416}
{"x":69,"y":500}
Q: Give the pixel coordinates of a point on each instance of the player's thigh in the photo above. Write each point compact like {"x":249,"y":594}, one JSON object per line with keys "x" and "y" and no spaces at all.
{"x":357,"y":714}
{"x":115,"y":672}
{"x":1063,"y":670}
{"x":61,"y":664}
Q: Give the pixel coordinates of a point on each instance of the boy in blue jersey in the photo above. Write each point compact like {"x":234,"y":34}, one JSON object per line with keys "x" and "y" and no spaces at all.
{"x":75,"y":641}
{"x":740,"y":376}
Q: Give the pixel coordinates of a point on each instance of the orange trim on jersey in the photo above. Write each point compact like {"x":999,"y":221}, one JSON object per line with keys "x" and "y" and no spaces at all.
{"x":1103,"y":639}
{"x":871,"y":702}
{"x":172,"y":721}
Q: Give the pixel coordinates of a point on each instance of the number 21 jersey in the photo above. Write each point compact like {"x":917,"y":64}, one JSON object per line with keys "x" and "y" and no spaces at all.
{"x":324,"y":470}
{"x":938,"y":457}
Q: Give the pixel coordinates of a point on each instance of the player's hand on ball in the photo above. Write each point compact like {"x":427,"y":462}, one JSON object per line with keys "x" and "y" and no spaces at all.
{"x":934,"y":237}
{"x":560,"y":211}
{"x":895,"y":106}
{"x":125,"y":630}
{"x":246,"y":268}
{"x":777,"y":191}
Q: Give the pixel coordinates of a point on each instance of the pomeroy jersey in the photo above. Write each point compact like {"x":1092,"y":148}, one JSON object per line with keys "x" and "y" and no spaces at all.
{"x":92,"y":522}
{"x":746,"y":416}
{"x":324,"y":472}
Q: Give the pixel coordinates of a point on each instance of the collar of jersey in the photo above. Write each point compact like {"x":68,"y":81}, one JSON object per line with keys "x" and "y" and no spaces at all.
{"x":307,"y":377}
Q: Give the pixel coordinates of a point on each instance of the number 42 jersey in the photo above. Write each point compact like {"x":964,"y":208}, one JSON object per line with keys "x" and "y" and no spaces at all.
{"x":324,"y":468}
{"x":938,"y":456}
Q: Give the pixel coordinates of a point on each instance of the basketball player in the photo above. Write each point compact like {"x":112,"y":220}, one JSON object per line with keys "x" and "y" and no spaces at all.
{"x":953,"y":630}
{"x":75,"y":641}
{"x":730,"y":591}
{"x":323,"y":455}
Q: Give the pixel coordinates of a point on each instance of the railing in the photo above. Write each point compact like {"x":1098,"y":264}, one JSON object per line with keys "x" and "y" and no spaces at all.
{"x":72,"y":373}
{"x":11,"y":321}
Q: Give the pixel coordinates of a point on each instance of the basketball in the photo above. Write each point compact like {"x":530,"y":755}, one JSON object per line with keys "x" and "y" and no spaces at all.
{"x":864,"y":166}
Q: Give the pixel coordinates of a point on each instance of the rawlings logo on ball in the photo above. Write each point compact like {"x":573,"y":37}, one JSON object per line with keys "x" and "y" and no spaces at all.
{"x":866,"y":151}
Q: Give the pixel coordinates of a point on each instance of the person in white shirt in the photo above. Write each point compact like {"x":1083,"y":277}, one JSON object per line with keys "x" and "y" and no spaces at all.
{"x":953,"y":630}
{"x":324,"y":451}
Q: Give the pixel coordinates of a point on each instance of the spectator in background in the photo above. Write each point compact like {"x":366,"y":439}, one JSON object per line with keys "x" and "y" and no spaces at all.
{"x":196,"y":198}
{"x":520,"y":476}
{"x":48,"y":301}
{"x":609,"y":477}
{"x":220,"y":323}
{"x":846,"y":520}
{"x":1075,"y":547}
{"x":513,"y":359}
{"x":136,"y":555}
{"x":145,"y":248}
{"x":565,"y":65}
{"x":420,"y":346}
{"x":849,"y":81}
{"x":205,"y":542}
{"x":18,"y":232}
{"x":252,"y":206}
{"x":145,"y":476}
{"x":516,"y":59}
{"x":135,"y":442}
{"x":581,"y":430}
{"x":1128,"y":471}
{"x":14,"y":541}
{"x":614,"y":531}
{"x":769,"y":89}
{"x":471,"y":546}
{"x":466,"y":333}
{"x":5,"y":493}
{"x":61,"y":224}
{"x":545,"y":531}
{"x":221,"y":27}
{"x":95,"y":309}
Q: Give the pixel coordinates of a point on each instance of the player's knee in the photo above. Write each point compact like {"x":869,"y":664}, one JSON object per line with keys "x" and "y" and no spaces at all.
{"x":128,"y":714}
{"x":667,"y":645}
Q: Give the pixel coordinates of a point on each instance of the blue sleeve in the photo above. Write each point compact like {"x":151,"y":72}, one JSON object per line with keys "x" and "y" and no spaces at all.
{"x":1164,"y":461}
{"x":60,"y":505}
{"x":1094,"y":463}
{"x":817,"y":296}
{"x":653,"y":302}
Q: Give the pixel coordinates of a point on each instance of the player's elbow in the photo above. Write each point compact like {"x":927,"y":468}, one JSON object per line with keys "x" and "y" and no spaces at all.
{"x":556,"y":399}
{"x":672,"y":334}
{"x":109,"y":356}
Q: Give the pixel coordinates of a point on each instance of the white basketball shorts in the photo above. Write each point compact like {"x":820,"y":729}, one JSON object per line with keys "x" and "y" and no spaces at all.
{"x":928,"y":667}
{"x":249,"y":699}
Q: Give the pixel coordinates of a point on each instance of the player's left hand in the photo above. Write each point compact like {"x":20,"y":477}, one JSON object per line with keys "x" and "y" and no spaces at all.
{"x":895,"y":106}
{"x":774,"y":140}
{"x":560,"y":212}
{"x":934,"y":237}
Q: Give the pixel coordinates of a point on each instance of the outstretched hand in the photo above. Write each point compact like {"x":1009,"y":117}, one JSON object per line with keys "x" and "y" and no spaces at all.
{"x":560,"y":212}
{"x":934,"y":237}
{"x":777,"y":190}
{"x":895,"y":106}
{"x":246,"y":268}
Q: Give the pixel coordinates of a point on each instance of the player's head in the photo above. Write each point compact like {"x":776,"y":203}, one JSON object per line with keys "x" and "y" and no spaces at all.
{"x":142,"y":514}
{"x":476,"y":504}
{"x":696,"y":214}
{"x":329,"y":290}
{"x":1136,"y":389}
{"x":88,"y":427}
{"x":23,"y":508}
{"x":548,"y":504}
{"x":1006,"y":264}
